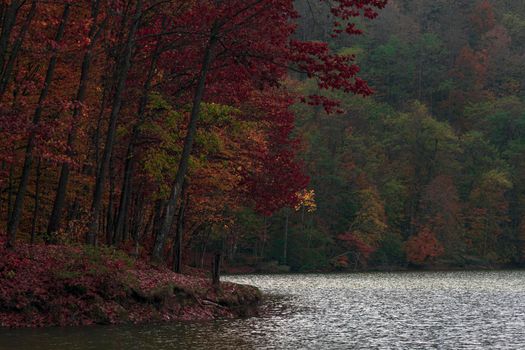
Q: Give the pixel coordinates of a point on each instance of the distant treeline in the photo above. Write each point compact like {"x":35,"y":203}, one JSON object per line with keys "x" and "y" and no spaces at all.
{"x":430,"y":170}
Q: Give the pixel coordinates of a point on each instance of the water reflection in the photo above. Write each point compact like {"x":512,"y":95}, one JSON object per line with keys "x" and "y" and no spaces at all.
{"x":442,"y":310}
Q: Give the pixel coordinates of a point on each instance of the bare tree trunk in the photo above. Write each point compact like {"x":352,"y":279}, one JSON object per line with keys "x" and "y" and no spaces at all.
{"x":14,"y":220}
{"x":123,"y":68}
{"x":160,"y":240}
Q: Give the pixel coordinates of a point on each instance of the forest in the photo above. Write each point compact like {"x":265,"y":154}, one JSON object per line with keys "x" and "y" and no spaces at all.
{"x":429,"y":171}
{"x":145,"y":138}
{"x":306,"y":135}
{"x":154,"y":129}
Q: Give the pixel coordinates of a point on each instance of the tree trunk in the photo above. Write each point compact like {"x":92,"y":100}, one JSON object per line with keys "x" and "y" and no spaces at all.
{"x":118,"y":229}
{"x":5,"y":77}
{"x":125,"y":227}
{"x":37,"y":202}
{"x":203,"y":254}
{"x":110,"y":237}
{"x":10,"y":192}
{"x":167,"y":221}
{"x":128,"y":172}
{"x":138,"y":220}
{"x":216,"y":271}
{"x":8,"y":23}
{"x":123,"y":68}
{"x":177,"y":242}
{"x":285,"y":245}
{"x":149,"y":224}
{"x":1,"y":189}
{"x":157,"y":221}
{"x":14,"y":220}
{"x":96,"y":135}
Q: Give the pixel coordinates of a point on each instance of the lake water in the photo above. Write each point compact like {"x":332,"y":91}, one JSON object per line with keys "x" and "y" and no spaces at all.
{"x":436,"y":310}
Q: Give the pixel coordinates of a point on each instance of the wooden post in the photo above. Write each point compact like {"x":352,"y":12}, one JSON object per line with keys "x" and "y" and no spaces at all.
{"x":216,"y":269}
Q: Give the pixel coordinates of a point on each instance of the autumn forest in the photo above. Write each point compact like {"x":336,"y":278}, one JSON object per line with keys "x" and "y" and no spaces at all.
{"x":126,"y":125}
{"x":429,"y":171}
{"x":272,"y":135}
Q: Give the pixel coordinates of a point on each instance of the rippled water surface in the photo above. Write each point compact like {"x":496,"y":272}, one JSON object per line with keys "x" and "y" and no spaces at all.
{"x":437,"y":310}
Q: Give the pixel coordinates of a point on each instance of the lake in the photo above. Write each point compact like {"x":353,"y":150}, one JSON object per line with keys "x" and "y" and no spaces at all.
{"x":408,"y":310}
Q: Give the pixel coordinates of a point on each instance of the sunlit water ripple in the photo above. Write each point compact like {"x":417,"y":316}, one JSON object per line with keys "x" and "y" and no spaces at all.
{"x":436,"y":310}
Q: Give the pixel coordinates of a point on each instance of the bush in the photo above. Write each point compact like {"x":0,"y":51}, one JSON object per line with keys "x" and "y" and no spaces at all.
{"x":390,"y":252}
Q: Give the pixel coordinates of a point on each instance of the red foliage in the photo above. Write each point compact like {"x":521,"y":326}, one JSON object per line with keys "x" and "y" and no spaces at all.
{"x":56,"y":285}
{"x":275,"y":176}
{"x":86,"y":104}
{"x":351,"y":241}
{"x":341,"y":262}
{"x":483,"y":17}
{"x":44,"y":285}
{"x":423,"y":247}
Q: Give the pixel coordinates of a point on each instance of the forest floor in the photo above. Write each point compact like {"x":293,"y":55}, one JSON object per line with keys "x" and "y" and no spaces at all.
{"x":62,"y":285}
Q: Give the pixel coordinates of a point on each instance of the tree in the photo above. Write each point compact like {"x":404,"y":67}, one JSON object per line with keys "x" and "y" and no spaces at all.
{"x":488,"y":213}
{"x":238,"y":29}
{"x":14,"y":219}
{"x":442,"y":213}
{"x":423,"y":247}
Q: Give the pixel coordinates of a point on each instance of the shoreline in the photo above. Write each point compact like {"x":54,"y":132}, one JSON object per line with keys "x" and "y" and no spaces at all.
{"x":379,"y":270}
{"x":46,"y":286}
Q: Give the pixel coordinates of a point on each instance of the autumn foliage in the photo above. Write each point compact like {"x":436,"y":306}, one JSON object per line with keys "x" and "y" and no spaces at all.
{"x":423,"y":247}
{"x":150,"y":126}
{"x":74,"y":285}
{"x":174,"y":130}
{"x":360,"y":250}
{"x":130,"y":100}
